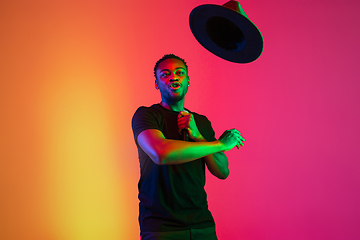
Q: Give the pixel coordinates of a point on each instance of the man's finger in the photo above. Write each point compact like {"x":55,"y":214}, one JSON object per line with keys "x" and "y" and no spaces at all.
{"x":183,"y":113}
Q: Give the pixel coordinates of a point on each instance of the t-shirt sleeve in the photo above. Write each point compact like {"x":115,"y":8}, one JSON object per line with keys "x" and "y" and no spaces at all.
{"x":211,"y":132}
{"x":205,"y":128}
{"x":144,"y":119}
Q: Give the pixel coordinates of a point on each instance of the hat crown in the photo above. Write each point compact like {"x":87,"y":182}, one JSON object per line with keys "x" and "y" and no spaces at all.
{"x":235,"y":5}
{"x":226,"y":31}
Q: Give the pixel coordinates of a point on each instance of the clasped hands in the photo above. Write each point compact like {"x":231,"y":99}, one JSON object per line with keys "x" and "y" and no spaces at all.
{"x":230,"y":138}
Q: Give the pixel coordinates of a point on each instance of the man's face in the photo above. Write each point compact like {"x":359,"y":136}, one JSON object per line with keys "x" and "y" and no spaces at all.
{"x":172,"y":80}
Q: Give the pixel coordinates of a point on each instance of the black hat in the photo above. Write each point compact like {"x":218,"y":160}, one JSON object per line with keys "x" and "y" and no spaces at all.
{"x":227,"y":32}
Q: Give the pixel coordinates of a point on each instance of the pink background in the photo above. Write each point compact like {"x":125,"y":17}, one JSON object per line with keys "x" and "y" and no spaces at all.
{"x":72,"y":73}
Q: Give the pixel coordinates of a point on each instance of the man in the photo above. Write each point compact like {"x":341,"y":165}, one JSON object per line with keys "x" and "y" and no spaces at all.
{"x":173,"y":203}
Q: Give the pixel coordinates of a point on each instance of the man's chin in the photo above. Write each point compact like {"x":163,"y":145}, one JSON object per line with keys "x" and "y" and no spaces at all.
{"x":176,"y":98}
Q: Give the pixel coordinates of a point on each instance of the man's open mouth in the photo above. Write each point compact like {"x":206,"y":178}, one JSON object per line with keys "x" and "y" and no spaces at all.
{"x":175,"y":86}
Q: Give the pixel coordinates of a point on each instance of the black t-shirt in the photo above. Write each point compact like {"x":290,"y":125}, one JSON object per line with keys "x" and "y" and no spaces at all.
{"x":172,"y":197}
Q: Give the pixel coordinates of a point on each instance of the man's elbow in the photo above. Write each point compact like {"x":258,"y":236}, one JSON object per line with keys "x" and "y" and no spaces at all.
{"x":159,"y":157}
{"x":224,"y":175}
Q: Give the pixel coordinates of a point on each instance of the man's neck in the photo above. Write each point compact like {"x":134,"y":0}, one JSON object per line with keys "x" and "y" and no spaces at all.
{"x":177,"y":107}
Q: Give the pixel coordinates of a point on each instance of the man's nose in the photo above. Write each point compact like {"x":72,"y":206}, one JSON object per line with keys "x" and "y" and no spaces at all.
{"x":173,"y":77}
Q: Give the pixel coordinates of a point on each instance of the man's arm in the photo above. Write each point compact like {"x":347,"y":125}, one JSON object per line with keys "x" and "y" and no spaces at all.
{"x":166,"y":151}
{"x":217,"y":163}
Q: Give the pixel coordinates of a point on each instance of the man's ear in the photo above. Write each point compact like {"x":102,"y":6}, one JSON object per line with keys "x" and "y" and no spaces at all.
{"x":188,"y":81}
{"x":156,"y":85}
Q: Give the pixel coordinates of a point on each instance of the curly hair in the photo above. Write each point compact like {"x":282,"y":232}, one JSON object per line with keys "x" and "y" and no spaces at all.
{"x":167,"y":56}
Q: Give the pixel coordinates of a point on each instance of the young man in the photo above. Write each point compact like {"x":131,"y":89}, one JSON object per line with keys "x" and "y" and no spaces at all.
{"x":173,"y":203}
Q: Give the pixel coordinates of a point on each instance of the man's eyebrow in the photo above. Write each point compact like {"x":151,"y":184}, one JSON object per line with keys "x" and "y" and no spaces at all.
{"x":175,"y":69}
{"x":180,"y":68}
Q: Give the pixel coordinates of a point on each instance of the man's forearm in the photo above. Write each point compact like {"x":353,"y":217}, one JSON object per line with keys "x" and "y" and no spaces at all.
{"x":218,"y":165}
{"x":176,"y":152}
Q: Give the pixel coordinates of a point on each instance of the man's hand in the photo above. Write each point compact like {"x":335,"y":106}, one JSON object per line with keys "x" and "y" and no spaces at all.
{"x":231,"y":138}
{"x":187,"y":121}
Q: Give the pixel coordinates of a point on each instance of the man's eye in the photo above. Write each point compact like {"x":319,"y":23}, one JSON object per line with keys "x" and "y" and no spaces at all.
{"x":165,"y":74}
{"x":180,"y":73}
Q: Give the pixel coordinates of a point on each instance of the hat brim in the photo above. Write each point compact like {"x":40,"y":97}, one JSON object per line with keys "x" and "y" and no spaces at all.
{"x":251,"y":45}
